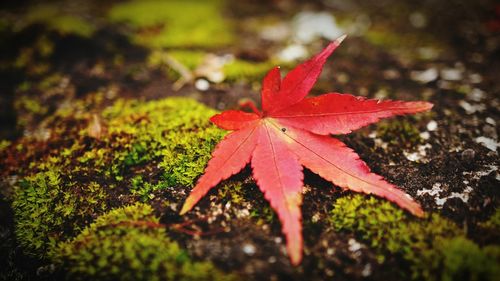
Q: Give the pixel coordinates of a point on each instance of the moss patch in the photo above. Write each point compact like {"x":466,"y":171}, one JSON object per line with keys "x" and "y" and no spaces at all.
{"x":175,"y":132}
{"x":75,"y":176}
{"x":55,"y":18}
{"x":234,"y":69}
{"x":399,"y":132}
{"x":49,"y":208}
{"x":435,"y":248}
{"x":129,"y":244}
{"x":174,"y":23}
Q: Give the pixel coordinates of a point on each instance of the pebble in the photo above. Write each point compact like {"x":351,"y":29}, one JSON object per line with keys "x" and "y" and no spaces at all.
{"x":277,"y":32}
{"x":470,"y":109}
{"x":491,"y":144}
{"x":476,"y":95}
{"x":353,"y":245}
{"x":418,"y":20}
{"x":202,"y":84}
{"x":367,"y":270}
{"x":468,"y":155}
{"x":475,"y":78}
{"x":491,"y":121}
{"x":425,"y":135}
{"x":293,"y":52}
{"x":451,"y":74}
{"x":432,"y":125}
{"x":425,"y":76}
{"x":311,"y":25}
{"x":249,"y":249}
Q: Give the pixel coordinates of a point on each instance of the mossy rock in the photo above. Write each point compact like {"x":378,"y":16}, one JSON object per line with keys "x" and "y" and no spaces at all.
{"x":434,"y":249}
{"x":235,"y":69}
{"x":176,"y":23}
{"x":129,"y":244}
{"x":49,"y":209}
{"x":55,"y":17}
{"x":142,"y":147}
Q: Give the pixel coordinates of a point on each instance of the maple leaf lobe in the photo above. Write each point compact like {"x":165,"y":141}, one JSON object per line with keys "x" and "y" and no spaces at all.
{"x":293,"y":131}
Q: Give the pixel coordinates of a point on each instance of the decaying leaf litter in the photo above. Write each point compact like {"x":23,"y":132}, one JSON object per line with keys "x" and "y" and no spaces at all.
{"x":457,"y":139}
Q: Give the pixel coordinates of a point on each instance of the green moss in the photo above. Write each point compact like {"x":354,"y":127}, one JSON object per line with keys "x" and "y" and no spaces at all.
{"x":176,"y":132}
{"x":49,"y":208}
{"x":49,"y":82}
{"x":241,"y":69}
{"x":61,"y":190}
{"x":464,"y":260}
{"x":232,"y":191}
{"x":263,"y":214}
{"x":129,"y":244}
{"x":399,"y":132}
{"x":233,"y":70}
{"x":29,"y":105}
{"x":190,"y":59}
{"x":423,"y":243}
{"x":493,"y":222}
{"x":145,"y":190}
{"x":55,"y":18}
{"x":4,"y":144}
{"x":160,"y":24}
{"x":403,"y":44}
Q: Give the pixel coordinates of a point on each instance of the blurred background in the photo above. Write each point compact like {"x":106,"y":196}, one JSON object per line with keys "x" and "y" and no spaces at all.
{"x":55,"y":52}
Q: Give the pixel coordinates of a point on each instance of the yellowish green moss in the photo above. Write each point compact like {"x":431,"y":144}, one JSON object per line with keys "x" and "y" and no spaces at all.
{"x":4,"y":144}
{"x":174,"y":23}
{"x":55,"y":18}
{"x":493,"y":222}
{"x":430,"y":245}
{"x":49,"y":207}
{"x":464,"y":260}
{"x":232,"y":191}
{"x":399,"y":132}
{"x":241,"y":69}
{"x":189,"y":59}
{"x":129,"y":244}
{"x":234,"y":69}
{"x":176,"y":132}
{"x":63,"y":190}
{"x":29,"y":105}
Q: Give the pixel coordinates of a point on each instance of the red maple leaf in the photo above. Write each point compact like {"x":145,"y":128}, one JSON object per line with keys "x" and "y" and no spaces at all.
{"x":293,"y":131}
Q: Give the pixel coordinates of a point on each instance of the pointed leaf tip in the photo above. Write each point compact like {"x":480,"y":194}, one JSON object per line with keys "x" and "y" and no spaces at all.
{"x":339,"y":40}
{"x":186,"y":207}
